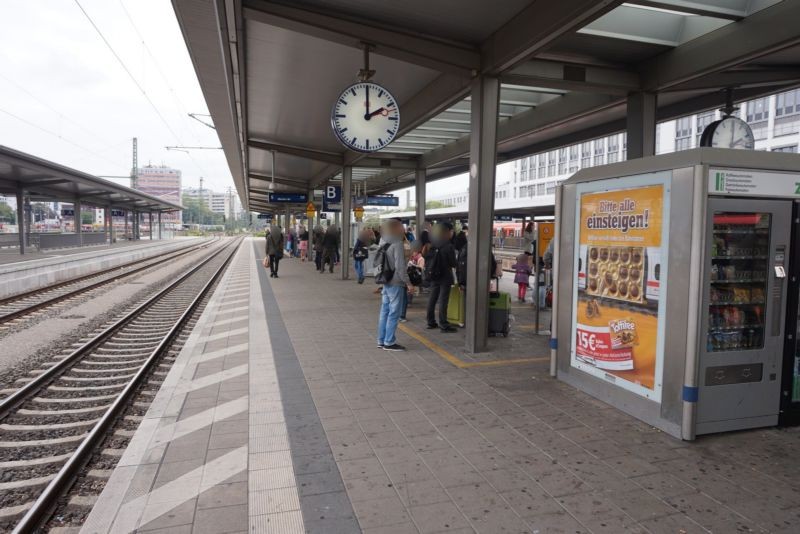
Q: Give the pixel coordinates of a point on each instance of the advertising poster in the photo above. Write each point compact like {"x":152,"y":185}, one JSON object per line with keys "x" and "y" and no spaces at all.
{"x":546,"y":231}
{"x":621,"y":278}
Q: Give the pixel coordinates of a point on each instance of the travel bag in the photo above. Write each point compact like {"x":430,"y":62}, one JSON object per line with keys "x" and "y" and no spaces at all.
{"x":456,"y":307}
{"x":499,"y":314}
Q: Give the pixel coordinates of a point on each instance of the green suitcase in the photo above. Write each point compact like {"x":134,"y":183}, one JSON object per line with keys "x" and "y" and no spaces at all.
{"x":456,"y":307}
{"x":499,"y":314}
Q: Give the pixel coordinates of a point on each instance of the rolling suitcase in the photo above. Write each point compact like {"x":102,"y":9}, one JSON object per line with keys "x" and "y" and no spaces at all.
{"x":456,"y":310}
{"x":499,"y":314}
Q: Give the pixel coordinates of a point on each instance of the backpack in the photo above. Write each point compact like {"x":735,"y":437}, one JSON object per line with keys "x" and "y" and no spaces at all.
{"x":434,"y":270}
{"x":414,"y":275}
{"x":383,"y":271}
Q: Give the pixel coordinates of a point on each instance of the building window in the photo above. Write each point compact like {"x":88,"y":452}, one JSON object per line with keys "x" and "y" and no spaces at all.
{"x":551,"y":163}
{"x":562,"y":160}
{"x":550,"y":188}
{"x":599,"y":150}
{"x":573,"y":158}
{"x":613,"y":148}
{"x":586,"y":154}
{"x":683,"y":133}
{"x":792,"y":149}
{"x":758,"y":110}
{"x":703,"y":120}
{"x":787,"y":103}
{"x":539,"y":189}
{"x":787,"y":113}
{"x":625,"y":145}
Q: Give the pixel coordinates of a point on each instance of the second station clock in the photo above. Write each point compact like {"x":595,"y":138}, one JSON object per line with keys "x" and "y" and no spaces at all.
{"x":728,"y":132}
{"x":365,"y":117}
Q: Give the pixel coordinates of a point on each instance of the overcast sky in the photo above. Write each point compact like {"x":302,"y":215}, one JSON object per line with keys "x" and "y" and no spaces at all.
{"x":64,"y":96}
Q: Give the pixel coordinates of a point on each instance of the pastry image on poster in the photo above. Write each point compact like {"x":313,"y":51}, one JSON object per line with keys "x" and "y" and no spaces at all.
{"x":620,"y":280}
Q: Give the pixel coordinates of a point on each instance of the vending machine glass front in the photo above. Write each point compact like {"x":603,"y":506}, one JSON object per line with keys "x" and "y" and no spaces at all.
{"x":747,"y":245}
{"x":738,"y":282}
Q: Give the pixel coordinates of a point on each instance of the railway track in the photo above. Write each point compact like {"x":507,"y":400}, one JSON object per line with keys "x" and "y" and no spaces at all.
{"x":16,"y":308}
{"x":52,"y":425}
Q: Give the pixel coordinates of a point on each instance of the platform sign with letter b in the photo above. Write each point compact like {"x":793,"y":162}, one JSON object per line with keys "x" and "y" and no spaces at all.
{"x":332,"y":198}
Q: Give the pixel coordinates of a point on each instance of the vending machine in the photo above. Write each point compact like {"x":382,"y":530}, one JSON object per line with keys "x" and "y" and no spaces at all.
{"x":678,"y":288}
{"x":745,"y":282}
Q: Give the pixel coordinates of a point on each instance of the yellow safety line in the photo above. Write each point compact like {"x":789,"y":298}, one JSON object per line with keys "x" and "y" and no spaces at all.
{"x":461,"y":364}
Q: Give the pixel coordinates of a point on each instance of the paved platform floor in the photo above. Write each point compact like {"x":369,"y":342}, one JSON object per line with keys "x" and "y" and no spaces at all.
{"x":282,"y":416}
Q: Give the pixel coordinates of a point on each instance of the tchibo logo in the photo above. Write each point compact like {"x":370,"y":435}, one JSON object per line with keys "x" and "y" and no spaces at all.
{"x":719,"y":181}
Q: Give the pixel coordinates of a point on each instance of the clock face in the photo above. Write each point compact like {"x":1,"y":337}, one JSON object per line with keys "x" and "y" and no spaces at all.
{"x":365,"y":117}
{"x":732,"y":132}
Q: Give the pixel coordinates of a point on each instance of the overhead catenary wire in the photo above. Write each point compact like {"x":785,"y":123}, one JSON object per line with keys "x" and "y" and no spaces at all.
{"x":54,"y":110}
{"x":55,"y":134}
{"x":135,"y":81}
{"x":182,"y":109}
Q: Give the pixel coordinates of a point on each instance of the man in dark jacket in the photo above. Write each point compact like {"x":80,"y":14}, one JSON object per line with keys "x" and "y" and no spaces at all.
{"x":274,"y":249}
{"x":330,"y":247}
{"x":439,"y":264}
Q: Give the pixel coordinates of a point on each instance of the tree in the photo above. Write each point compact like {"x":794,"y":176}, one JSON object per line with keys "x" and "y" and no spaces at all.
{"x":7,"y":214}
{"x":197,"y":212}
{"x":87,"y":217}
{"x":434,"y":204}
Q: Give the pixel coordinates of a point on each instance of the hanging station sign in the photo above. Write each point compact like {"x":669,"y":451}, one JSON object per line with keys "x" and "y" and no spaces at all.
{"x":618,"y":323}
{"x":288,"y":198}
{"x":332,"y":198}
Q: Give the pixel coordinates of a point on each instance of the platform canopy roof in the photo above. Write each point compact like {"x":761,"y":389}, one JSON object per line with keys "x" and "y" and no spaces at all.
{"x":271,"y":70}
{"x":46,"y":181}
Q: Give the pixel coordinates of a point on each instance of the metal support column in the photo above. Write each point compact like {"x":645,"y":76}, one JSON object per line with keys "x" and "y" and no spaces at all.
{"x":159,"y":226}
{"x":150,"y":225}
{"x":419,"y":192}
{"x":106,"y":213}
{"x":28,"y":219}
{"x":21,"y":219}
{"x":77,"y":217}
{"x":641,"y":125}
{"x":126,"y":224}
{"x":484,"y":106}
{"x":347,"y":208}
{"x":111,"y":234}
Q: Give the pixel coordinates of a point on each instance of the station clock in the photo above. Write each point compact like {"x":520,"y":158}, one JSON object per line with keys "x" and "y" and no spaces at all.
{"x":365,"y":117}
{"x":728,"y":132}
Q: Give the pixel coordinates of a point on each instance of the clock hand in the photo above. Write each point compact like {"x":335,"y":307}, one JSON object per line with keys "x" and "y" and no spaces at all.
{"x":379,"y":110}
{"x":367,"y":116}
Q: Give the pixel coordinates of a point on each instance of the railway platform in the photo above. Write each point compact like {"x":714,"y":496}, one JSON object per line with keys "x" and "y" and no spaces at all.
{"x":280,"y":415}
{"x":36,"y":270}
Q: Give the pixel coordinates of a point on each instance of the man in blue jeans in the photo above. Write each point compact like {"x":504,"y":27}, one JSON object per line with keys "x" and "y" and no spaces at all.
{"x":392,"y":294}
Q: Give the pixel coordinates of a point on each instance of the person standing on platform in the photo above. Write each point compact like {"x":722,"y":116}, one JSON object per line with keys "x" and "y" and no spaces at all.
{"x":528,"y":237}
{"x":319,"y":236}
{"x":522,"y":273}
{"x":360,"y":254}
{"x":274,"y":249}
{"x":303,"y":243}
{"x":291,"y":242}
{"x":330,"y":248}
{"x":439,"y":265}
{"x":394,"y":285}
